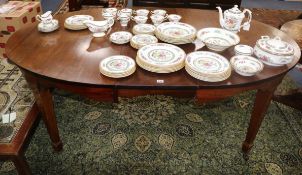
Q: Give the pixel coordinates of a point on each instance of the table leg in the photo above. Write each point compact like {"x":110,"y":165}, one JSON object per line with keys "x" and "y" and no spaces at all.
{"x":262,"y":102}
{"x":45,"y":103}
{"x":21,"y":165}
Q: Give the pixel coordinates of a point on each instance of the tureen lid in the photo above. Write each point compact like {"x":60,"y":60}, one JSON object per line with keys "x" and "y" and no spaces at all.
{"x":275,"y":46}
{"x":234,"y":10}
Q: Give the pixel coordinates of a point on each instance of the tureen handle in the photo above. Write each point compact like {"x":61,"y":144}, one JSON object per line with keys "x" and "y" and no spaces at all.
{"x":265,"y":37}
{"x":247,"y":24}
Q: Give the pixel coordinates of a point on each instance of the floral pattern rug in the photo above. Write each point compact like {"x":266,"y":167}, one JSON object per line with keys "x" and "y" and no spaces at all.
{"x":165,"y":135}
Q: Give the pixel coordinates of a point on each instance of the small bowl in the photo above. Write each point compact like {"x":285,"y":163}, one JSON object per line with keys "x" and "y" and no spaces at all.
{"x":121,"y":37}
{"x":246,"y":65}
{"x":242,"y":49}
{"x":217,"y":39}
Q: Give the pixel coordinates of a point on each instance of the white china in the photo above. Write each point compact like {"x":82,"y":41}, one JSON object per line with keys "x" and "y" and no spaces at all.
{"x":76,"y":22}
{"x":217,"y":39}
{"x":242,"y":49}
{"x":98,"y":28}
{"x":112,"y":11}
{"x":231,"y":19}
{"x":274,"y":51}
{"x":141,"y":12}
{"x":126,"y":11}
{"x":143,"y":29}
{"x":175,"y":32}
{"x":158,"y":19}
{"x":107,"y":15}
{"x":161,"y":58}
{"x":246,"y":65}
{"x":207,"y":66}
{"x":117,"y":66}
{"x":48,"y":27}
{"x":138,"y":41}
{"x":124,"y":19}
{"x":45,"y":18}
{"x":159,"y":12}
{"x":120,"y":37}
{"x":140,"y":19}
{"x":174,"y":18}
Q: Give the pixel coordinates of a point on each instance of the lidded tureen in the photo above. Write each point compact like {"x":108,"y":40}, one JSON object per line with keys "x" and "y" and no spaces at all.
{"x":274,"y":51}
{"x":231,"y":19}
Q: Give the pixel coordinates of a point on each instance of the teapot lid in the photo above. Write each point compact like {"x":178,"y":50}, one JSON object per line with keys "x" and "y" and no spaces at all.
{"x":275,"y":46}
{"x":235,"y":10}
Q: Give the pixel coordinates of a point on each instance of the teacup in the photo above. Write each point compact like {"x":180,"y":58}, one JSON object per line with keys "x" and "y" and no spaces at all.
{"x":112,"y":11}
{"x":107,"y":15}
{"x":126,"y":11}
{"x":124,"y":19}
{"x":140,"y":19}
{"x":159,"y":12}
{"x":158,"y":19}
{"x":141,"y":12}
{"x":174,"y":18}
{"x":45,"y":18}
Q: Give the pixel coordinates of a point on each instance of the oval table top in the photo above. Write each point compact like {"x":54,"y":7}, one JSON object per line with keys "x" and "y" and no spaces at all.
{"x":74,"y":56}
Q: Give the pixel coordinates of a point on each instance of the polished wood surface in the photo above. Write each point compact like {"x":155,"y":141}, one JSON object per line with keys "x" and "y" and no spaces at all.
{"x":70,"y":60}
{"x":204,"y":4}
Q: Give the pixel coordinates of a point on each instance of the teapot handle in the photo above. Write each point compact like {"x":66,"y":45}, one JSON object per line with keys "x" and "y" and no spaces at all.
{"x":247,"y":23}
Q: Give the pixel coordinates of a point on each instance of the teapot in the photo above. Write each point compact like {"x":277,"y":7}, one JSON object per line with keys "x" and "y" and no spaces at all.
{"x":231,"y":19}
{"x":98,"y":28}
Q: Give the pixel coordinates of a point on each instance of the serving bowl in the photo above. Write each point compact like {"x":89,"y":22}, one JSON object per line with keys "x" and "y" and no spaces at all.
{"x":274,"y":51}
{"x":246,"y":65}
{"x":217,"y":39}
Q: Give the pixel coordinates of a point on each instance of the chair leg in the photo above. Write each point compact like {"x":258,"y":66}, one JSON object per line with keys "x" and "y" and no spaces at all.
{"x":21,"y":165}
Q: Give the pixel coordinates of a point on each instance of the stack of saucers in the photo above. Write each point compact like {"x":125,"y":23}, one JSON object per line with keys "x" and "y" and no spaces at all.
{"x":208,"y":66}
{"x":175,"y":32}
{"x":75,"y":22}
{"x":161,"y":58}
{"x":117,"y":66}
{"x":138,"y":41}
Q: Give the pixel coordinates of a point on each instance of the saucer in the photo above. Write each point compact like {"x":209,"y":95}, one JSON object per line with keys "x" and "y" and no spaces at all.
{"x":121,"y":37}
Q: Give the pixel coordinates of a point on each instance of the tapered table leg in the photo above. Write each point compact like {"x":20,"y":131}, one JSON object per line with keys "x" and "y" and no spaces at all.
{"x":262,"y":102}
{"x":44,"y":100}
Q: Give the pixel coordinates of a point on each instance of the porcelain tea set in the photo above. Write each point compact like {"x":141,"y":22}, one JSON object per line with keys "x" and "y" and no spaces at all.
{"x":158,"y":57}
{"x":47,"y":23}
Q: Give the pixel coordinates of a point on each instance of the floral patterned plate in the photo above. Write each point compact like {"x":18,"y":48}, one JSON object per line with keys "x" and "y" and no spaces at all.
{"x":141,"y":40}
{"x":117,"y":66}
{"x":121,"y":37}
{"x":76,"y":22}
{"x":143,"y":29}
{"x":208,"y":66}
{"x":161,"y":55}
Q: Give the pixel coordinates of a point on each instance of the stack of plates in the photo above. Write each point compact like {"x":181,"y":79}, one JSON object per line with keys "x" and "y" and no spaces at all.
{"x":76,"y":22}
{"x":175,"y":32}
{"x":208,"y":66}
{"x":161,"y":58}
{"x":143,"y":29}
{"x":117,"y":66}
{"x":138,"y":41}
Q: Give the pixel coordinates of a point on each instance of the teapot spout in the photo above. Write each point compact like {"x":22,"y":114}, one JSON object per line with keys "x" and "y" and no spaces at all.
{"x":221,"y":20}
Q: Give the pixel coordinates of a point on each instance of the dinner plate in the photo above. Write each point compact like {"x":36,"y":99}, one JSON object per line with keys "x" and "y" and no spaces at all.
{"x":117,"y":66}
{"x":75,"y":22}
{"x":161,"y":55}
{"x":158,"y":69}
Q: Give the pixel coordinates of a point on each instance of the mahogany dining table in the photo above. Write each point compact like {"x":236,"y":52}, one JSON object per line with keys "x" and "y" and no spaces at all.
{"x":69,"y":60}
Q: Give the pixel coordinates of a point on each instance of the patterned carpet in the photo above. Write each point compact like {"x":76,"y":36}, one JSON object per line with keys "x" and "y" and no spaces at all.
{"x":155,"y":135}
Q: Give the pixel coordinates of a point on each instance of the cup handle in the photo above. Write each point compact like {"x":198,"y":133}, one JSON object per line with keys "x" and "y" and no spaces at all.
{"x":166,"y":17}
{"x":38,"y":17}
